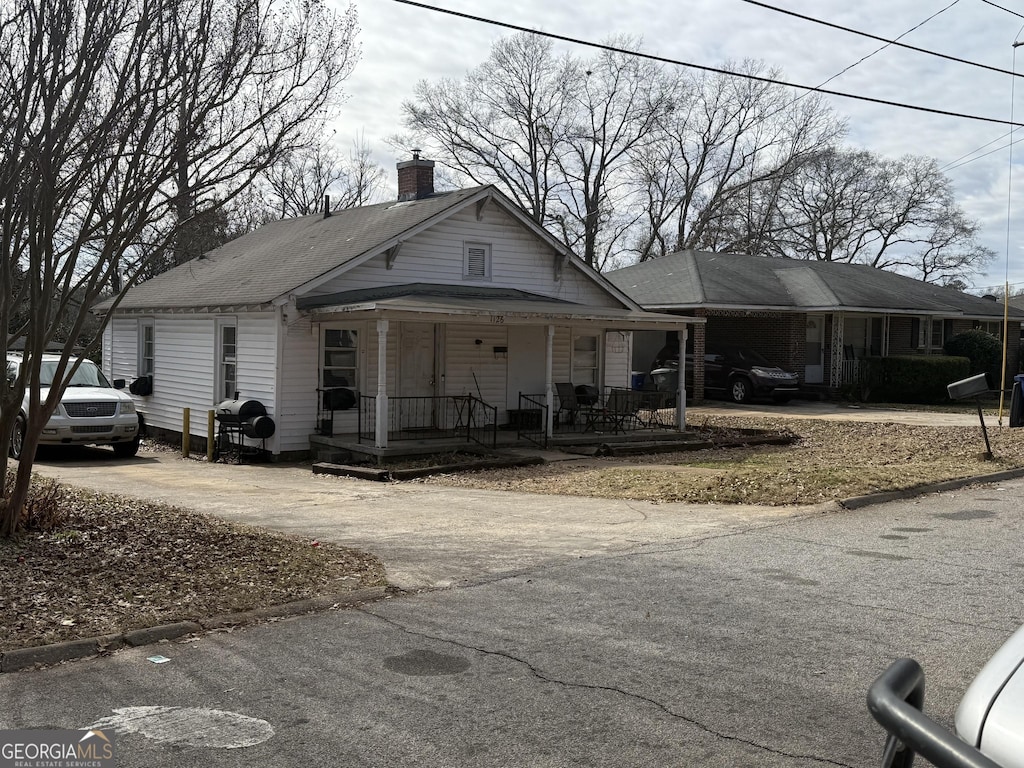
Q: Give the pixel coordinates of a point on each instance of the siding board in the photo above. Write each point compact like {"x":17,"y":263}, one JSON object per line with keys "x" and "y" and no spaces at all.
{"x":518,"y":260}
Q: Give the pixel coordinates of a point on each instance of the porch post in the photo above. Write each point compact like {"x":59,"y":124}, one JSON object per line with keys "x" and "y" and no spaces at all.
{"x":681,"y":394}
{"x":836,"y":369}
{"x":549,"y":385}
{"x":381,"y":426}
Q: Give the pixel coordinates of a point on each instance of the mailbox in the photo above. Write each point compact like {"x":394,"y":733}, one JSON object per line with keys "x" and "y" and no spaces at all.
{"x":970,"y":387}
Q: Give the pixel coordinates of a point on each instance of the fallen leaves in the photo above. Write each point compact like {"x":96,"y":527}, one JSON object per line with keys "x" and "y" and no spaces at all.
{"x":116,"y":564}
{"x":830,"y":460}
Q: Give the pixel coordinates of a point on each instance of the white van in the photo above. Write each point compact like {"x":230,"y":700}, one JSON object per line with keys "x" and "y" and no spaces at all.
{"x":91,"y":412}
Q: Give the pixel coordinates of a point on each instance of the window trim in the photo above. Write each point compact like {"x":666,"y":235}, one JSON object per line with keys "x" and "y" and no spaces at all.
{"x":220,"y":380}
{"x":598,"y":337}
{"x":357,"y":332}
{"x":147,"y":326}
{"x":486,"y":249}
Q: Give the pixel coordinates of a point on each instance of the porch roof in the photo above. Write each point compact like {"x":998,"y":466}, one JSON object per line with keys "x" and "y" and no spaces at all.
{"x":498,"y":305}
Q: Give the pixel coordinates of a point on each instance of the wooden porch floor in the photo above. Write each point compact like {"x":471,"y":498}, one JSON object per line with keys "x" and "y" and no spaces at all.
{"x":325,"y":448}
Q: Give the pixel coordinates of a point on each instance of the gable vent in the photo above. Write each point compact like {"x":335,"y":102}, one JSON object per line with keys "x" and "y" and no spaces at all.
{"x":476,"y":261}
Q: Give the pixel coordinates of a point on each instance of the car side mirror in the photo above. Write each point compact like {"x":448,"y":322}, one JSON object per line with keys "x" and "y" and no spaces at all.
{"x":119,"y":383}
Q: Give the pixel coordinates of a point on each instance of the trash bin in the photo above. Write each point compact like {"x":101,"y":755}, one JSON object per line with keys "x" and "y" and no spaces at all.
{"x":637,"y":380}
{"x":1017,"y":401}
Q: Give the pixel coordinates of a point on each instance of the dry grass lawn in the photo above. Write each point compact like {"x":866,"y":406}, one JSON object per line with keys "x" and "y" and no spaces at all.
{"x":830,"y":460}
{"x":94,"y":564}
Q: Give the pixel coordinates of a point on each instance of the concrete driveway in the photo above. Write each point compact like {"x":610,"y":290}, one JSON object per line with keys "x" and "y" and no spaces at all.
{"x":428,"y":536}
{"x":431,"y":536}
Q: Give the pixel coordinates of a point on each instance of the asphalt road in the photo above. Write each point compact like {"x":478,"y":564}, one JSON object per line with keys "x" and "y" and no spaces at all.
{"x":749,"y":643}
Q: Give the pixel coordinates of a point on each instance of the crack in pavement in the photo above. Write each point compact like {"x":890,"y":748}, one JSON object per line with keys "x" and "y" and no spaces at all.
{"x":634,"y":549}
{"x":606,"y":689}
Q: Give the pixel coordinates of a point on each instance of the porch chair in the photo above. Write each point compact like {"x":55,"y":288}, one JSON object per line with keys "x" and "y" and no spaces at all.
{"x":567,"y":402}
{"x":619,"y":411}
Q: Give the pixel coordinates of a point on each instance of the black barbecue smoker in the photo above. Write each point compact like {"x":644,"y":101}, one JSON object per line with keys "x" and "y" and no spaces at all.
{"x":240,"y":419}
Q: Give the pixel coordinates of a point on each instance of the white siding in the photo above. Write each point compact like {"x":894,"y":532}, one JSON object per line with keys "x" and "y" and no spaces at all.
{"x":257,"y":352}
{"x":297,"y":399}
{"x":124,"y":348}
{"x":471,"y":368}
{"x":106,"y":354}
{"x":183,"y":372}
{"x":185,"y":366}
{"x":519,"y":260}
{"x":617,"y":359}
{"x":561,"y":368}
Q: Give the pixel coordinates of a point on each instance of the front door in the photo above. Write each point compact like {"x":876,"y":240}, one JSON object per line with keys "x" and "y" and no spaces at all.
{"x":814,"y":355}
{"x":526,"y":371}
{"x":415,"y":408}
{"x":416,"y":370}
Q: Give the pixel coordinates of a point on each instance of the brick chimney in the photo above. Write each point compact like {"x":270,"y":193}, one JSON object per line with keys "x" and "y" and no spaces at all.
{"x":415,"y":178}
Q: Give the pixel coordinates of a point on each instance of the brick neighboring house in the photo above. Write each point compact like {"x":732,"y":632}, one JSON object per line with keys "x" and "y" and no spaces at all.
{"x":820,"y":319}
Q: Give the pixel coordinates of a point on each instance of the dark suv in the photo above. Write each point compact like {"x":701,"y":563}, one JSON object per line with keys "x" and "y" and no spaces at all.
{"x":735,"y":372}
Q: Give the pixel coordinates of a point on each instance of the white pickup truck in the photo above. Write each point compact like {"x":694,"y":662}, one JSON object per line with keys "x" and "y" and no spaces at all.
{"x":91,"y":411}
{"x":989,"y":721}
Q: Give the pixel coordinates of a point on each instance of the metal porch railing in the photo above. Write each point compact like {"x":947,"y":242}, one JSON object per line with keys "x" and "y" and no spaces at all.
{"x":531,"y":419}
{"x":449,"y":417}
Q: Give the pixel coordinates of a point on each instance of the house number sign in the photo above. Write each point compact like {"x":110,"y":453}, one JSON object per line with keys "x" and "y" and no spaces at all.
{"x":497,"y":319}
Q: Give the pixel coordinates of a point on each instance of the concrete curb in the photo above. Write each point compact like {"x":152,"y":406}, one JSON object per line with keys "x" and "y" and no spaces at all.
{"x":71,"y":650}
{"x":858,"y":502}
{"x":385,"y":474}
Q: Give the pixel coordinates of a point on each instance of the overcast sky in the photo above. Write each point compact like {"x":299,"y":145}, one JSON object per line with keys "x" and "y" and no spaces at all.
{"x":402,"y":44}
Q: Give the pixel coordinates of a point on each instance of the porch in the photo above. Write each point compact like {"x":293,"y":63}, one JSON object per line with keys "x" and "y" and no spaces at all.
{"x":426,"y":425}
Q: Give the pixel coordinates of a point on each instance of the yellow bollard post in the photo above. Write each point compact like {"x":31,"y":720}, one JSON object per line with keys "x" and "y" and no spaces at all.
{"x":186,"y":426}
{"x":210,"y":437}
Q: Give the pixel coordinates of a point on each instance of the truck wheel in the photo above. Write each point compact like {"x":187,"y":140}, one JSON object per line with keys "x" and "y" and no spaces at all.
{"x":126,"y":450}
{"x":739,"y":390}
{"x":18,"y":438}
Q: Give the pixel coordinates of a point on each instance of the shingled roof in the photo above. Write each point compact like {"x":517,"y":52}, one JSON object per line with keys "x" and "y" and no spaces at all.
{"x":277,"y":258}
{"x":698,"y":279}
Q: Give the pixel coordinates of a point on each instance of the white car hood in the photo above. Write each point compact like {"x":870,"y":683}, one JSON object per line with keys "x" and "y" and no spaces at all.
{"x":991,"y":713}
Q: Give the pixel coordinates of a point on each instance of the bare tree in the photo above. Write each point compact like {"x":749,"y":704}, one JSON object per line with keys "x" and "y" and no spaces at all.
{"x":852,"y":206}
{"x":504,"y":124}
{"x":298,"y":183}
{"x":728,"y":139}
{"x":97,"y":100}
{"x":617,"y":111}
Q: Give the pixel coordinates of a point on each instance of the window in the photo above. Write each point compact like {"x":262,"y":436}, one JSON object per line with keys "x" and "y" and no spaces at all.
{"x":147,"y":348}
{"x":915,"y":333}
{"x":340,"y":361}
{"x":477,"y":261}
{"x":227,"y":359}
{"x":941,"y":331}
{"x":991,"y":327}
{"x":585,"y":360}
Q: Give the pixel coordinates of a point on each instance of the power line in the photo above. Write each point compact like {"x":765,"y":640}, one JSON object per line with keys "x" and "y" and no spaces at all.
{"x":989,"y":2}
{"x":862,"y":59}
{"x":954,"y":164}
{"x":882,"y":39}
{"x":702,"y":67}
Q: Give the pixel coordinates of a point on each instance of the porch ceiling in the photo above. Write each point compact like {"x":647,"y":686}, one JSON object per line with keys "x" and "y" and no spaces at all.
{"x":505,"y":312}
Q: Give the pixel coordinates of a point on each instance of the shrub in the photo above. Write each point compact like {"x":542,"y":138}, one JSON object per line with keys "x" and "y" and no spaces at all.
{"x":983,"y":350}
{"x":912,"y":378}
{"x":45,"y":506}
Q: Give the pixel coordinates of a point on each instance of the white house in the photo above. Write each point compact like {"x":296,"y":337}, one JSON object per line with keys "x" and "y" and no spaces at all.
{"x":432,"y":303}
